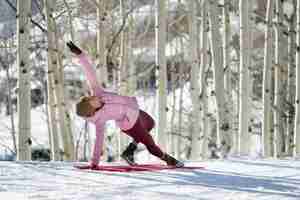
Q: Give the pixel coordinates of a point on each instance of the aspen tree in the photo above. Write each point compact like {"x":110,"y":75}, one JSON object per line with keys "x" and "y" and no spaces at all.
{"x":244,"y":136}
{"x":195,"y":87}
{"x":24,"y":85}
{"x":296,"y":151}
{"x":291,"y":82}
{"x":54,"y":138}
{"x":123,"y":70}
{"x":228,"y":72}
{"x":161,"y":71}
{"x":267,"y":125}
{"x":278,"y":93}
{"x":223,"y":141}
{"x":203,"y":89}
{"x":101,"y":68}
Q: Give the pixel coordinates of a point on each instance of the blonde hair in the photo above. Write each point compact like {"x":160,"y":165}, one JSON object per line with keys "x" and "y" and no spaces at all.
{"x":83,"y":107}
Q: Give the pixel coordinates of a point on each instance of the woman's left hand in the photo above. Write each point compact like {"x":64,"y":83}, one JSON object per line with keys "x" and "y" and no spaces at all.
{"x":73,"y":48}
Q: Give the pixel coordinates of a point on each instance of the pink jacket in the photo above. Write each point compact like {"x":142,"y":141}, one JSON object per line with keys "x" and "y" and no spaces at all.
{"x":123,"y":110}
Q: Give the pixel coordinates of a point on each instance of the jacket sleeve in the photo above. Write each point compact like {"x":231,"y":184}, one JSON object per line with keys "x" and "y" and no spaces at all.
{"x":98,"y":146}
{"x":90,"y":73}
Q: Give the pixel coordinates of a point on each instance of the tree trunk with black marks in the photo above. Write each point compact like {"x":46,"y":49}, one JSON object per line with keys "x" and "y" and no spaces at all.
{"x":24,"y":85}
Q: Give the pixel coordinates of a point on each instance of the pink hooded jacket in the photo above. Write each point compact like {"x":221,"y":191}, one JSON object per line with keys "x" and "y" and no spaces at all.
{"x":123,"y":110}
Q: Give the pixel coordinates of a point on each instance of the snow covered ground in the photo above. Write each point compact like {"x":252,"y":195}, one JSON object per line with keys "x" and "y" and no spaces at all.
{"x":232,"y":179}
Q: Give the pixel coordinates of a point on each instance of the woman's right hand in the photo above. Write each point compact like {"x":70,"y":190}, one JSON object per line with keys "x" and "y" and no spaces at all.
{"x":73,"y":48}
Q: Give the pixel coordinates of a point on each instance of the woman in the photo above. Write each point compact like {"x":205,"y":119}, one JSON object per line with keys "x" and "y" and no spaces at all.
{"x":103,"y":106}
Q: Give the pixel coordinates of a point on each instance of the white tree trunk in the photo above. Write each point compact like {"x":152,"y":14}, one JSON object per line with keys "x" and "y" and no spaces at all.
{"x":180,"y":114}
{"x":251,"y":31}
{"x":123,"y":71}
{"x":54,"y":139}
{"x":267,"y":122}
{"x":161,"y":70}
{"x":63,"y":113}
{"x":123,"y":68}
{"x":203,"y":93}
{"x":244,"y":136}
{"x":223,"y":139}
{"x":195,"y":88}
{"x":176,"y":138}
{"x":172,"y":135}
{"x":236,"y":47}
{"x":56,"y":73}
{"x":228,"y":73}
{"x":24,"y":86}
{"x":291,"y":85}
{"x":53,"y":119}
{"x":56,"y":88}
{"x":9,"y":97}
{"x":296,"y":151}
{"x":278,"y":93}
{"x":132,"y":78}
{"x":101,"y":68}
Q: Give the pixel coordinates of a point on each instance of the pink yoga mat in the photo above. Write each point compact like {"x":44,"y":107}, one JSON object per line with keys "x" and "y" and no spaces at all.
{"x":134,"y":168}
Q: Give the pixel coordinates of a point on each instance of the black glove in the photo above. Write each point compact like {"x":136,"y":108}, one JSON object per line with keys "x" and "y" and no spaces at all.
{"x":73,"y":48}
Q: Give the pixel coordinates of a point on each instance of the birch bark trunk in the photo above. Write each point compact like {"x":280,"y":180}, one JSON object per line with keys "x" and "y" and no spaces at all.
{"x":101,"y":68}
{"x":291,"y":83}
{"x":251,"y":31}
{"x":179,"y":76}
{"x":123,"y":70}
{"x":55,"y":80}
{"x":195,"y":88}
{"x":180,"y":114}
{"x":54,"y":139}
{"x":203,"y":89}
{"x":267,"y":77}
{"x":10,"y":106}
{"x":161,"y":71}
{"x":63,"y":113}
{"x":172,"y":135}
{"x":223,"y":141}
{"x":278,"y":93}
{"x":24,"y":86}
{"x":132,"y":78}
{"x":123,"y":67}
{"x":296,"y":152}
{"x":244,"y":136}
{"x":228,"y":72}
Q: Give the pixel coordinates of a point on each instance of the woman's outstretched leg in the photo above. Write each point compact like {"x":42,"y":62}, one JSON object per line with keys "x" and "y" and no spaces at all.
{"x":140,"y":133}
{"x":148,"y":141}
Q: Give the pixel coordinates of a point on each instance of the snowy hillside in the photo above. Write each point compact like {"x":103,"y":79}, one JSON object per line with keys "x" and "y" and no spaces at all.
{"x":233,"y":179}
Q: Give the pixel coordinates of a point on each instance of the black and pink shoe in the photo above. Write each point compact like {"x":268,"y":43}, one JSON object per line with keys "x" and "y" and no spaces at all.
{"x":128,"y":154}
{"x":172,"y":161}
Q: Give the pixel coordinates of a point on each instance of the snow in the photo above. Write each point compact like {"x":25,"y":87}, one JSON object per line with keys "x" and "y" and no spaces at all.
{"x":232,"y":179}
{"x":38,"y":125}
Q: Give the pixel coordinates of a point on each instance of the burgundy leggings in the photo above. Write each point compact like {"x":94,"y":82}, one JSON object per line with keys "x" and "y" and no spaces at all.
{"x":140,"y":133}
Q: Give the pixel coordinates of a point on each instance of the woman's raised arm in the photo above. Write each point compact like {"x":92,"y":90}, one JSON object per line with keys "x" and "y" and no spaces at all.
{"x":87,"y":66}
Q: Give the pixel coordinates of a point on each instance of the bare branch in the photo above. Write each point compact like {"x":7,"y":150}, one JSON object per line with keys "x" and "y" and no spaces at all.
{"x":70,"y":19}
{"x":32,"y":21}
{"x":119,"y":32}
